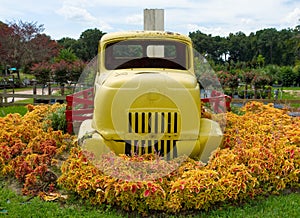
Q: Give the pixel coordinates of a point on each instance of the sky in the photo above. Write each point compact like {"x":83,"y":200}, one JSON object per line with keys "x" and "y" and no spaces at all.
{"x":69,"y":18}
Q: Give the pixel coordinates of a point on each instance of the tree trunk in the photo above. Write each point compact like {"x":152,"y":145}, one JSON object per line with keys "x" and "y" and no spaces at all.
{"x":62,"y":89}
{"x":246,"y":91}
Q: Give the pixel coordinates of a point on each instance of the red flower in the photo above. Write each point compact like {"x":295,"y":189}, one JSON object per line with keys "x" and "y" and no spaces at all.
{"x":133,"y":188}
{"x":146,"y":193}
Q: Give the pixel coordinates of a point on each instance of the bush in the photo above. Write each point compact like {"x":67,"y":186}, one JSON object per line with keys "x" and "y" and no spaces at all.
{"x":287,"y":76}
{"x":260,"y":155}
{"x":28,"y":151}
{"x":57,"y":119}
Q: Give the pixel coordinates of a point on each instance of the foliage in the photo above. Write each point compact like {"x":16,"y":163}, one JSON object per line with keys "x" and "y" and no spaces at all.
{"x":260,"y":80}
{"x":86,"y":46}
{"x":66,"y":55}
{"x":237,"y":50}
{"x":248,"y":77}
{"x":62,"y":71}
{"x":228,"y":80}
{"x":28,"y":152}
{"x":42,"y":72}
{"x":58,"y":120}
{"x":280,"y":75}
{"x":260,"y":60}
{"x":287,"y":76}
{"x":260,"y":156}
{"x":296,"y":71}
{"x":23,"y":44}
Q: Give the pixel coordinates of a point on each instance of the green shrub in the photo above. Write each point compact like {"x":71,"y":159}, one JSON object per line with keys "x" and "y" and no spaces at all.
{"x":57,"y":120}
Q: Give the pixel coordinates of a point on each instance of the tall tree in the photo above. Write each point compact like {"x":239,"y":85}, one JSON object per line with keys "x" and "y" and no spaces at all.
{"x":23,"y":44}
{"x":237,"y":46}
{"x":267,"y":44}
{"x":89,"y":40}
{"x":201,"y":42}
{"x":8,"y":44}
{"x":86,"y":47}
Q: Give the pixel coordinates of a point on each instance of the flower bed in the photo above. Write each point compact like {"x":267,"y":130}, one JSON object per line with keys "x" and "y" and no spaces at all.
{"x":28,"y":150}
{"x":260,"y":155}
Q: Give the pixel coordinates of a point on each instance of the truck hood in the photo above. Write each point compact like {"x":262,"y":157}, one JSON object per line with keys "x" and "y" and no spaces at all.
{"x":134,"y":79}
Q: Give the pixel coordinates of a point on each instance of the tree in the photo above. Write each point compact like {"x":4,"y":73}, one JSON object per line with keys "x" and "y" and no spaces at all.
{"x":67,"y":67}
{"x":247,"y":78}
{"x":67,"y":55}
{"x":90,"y":40}
{"x":260,"y":60}
{"x":296,"y":71}
{"x":287,"y":76}
{"x":42,"y":72}
{"x":23,"y":44}
{"x":259,"y":81}
{"x":86,"y":47}
{"x":220,"y":50}
{"x":241,"y":51}
{"x":8,"y":44}
{"x":67,"y":43}
{"x":237,"y":47}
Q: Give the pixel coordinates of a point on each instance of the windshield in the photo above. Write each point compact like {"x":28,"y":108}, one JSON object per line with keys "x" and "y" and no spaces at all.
{"x":146,"y":54}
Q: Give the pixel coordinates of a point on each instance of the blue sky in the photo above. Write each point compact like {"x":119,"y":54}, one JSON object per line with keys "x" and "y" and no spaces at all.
{"x":69,"y":18}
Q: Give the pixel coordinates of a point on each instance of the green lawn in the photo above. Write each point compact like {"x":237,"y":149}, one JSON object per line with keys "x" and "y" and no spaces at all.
{"x":16,"y":109}
{"x":12,"y":109}
{"x":291,"y":93}
{"x":13,"y":205}
{"x":291,"y":88}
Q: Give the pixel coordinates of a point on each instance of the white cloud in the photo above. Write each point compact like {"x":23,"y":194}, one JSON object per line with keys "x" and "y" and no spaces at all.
{"x":75,"y":13}
{"x":293,"y":18}
{"x":216,"y":17}
{"x":214,"y":31}
{"x":78,"y":3}
{"x":81,"y":15}
{"x":136,"y":19}
{"x":246,"y":21}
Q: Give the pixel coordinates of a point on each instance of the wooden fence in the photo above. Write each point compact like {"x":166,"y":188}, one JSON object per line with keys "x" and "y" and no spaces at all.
{"x":37,"y":99}
{"x":80,"y":104}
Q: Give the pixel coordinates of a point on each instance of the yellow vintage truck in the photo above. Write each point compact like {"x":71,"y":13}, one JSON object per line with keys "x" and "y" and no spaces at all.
{"x":147,"y":99}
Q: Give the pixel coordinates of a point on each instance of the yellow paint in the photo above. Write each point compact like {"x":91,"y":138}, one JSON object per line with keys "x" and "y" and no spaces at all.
{"x":149,"y":109}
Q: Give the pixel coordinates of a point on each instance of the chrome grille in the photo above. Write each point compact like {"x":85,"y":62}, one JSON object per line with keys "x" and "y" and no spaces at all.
{"x":153,"y":122}
{"x":165,"y":148}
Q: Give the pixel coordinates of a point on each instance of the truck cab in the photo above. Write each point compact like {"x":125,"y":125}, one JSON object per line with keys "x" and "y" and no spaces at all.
{"x":147,"y":99}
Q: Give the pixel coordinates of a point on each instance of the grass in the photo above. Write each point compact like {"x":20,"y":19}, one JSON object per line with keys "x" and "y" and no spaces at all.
{"x":291,"y":96}
{"x":12,"y":109}
{"x":291,"y":88}
{"x":16,"y":109}
{"x":273,"y":206}
{"x":16,"y":89}
{"x":14,"y":205}
{"x":288,"y":96}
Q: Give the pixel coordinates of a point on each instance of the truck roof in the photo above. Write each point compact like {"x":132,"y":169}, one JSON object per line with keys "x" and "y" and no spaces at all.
{"x":145,"y":34}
